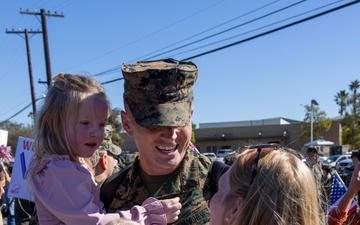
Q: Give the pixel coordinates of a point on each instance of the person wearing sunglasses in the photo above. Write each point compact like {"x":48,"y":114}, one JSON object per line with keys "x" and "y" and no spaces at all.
{"x":266,"y":185}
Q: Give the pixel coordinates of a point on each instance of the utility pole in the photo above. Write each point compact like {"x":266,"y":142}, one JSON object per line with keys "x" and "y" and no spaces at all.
{"x":45,"y":39}
{"x":26,"y":32}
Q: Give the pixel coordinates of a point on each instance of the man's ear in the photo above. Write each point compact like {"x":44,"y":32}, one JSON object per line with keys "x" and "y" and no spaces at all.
{"x":103,"y":162}
{"x":234,"y":209}
{"x":126,"y":123}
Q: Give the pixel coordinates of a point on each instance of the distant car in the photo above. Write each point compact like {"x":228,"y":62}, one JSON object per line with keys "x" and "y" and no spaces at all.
{"x":333,"y":160}
{"x":345,"y":164}
{"x":220,"y":159}
{"x":323,"y":158}
{"x":224,"y":152}
{"x":210,"y":155}
{"x":213,"y":156}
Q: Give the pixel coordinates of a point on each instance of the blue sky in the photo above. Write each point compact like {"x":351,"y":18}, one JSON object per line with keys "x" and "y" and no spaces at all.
{"x":271,"y":76}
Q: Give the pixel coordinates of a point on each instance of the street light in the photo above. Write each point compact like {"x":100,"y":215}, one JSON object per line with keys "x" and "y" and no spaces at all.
{"x":313,"y":102}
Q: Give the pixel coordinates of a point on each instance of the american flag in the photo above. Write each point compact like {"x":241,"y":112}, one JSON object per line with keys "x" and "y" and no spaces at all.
{"x":338,"y":189}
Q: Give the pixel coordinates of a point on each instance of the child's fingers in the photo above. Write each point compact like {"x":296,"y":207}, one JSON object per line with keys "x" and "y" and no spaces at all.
{"x":172,"y":203}
{"x":171,"y":220}
{"x":172,"y":217}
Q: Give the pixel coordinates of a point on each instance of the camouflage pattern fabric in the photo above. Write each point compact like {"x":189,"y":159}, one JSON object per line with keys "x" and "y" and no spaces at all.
{"x":189,"y":182}
{"x":323,"y":201}
{"x":107,"y":144}
{"x":160,"y":93}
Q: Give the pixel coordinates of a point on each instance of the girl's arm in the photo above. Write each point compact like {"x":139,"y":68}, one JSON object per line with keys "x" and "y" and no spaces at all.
{"x":354,"y":187}
{"x":339,"y":215}
{"x":66,"y":190}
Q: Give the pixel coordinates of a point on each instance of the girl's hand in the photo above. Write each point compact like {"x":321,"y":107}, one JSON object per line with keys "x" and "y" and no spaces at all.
{"x":354,"y":185}
{"x":172,"y":208}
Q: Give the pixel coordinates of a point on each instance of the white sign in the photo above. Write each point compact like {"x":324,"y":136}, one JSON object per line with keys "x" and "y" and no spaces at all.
{"x":18,"y":187}
{"x":3,"y":137}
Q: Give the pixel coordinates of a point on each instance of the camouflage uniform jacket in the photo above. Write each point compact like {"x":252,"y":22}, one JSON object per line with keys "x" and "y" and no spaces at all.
{"x":323,"y":201}
{"x":189,"y":182}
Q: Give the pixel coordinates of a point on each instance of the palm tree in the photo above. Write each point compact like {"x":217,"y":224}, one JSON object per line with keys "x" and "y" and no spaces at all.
{"x":352,"y":119}
{"x":340,"y":99}
{"x":353,"y":87}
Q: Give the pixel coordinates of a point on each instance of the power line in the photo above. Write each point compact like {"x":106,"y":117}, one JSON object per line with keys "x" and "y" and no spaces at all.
{"x":212,"y":28}
{"x":259,"y":28}
{"x":274,"y":30}
{"x":149,"y":35}
{"x":43,"y":16}
{"x":227,"y":30}
{"x":27,"y":106}
{"x":253,"y":37}
{"x":23,"y":109}
{"x":224,"y":47}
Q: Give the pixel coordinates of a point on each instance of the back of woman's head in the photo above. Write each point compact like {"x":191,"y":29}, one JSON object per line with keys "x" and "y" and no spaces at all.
{"x":62,"y":102}
{"x":2,"y":174}
{"x":281,"y":191}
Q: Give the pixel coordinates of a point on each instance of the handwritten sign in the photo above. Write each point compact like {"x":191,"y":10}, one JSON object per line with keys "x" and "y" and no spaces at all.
{"x":3,"y":137}
{"x":18,"y":187}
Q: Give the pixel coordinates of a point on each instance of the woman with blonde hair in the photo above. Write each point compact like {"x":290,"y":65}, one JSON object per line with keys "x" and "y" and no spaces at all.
{"x":266,"y":185}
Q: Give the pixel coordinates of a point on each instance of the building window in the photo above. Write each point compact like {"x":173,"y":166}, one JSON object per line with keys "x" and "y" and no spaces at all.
{"x":211,"y":149}
{"x":214,"y":149}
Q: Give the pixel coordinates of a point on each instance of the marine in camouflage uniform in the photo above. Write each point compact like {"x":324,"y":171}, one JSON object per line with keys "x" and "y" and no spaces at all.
{"x":107,"y":144}
{"x":108,"y":153}
{"x":160,"y":94}
{"x":189,"y":182}
{"x":316,"y":169}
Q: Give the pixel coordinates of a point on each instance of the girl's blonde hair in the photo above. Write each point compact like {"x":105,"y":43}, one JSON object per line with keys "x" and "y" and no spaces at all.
{"x":61,"y":102}
{"x":283,"y":190}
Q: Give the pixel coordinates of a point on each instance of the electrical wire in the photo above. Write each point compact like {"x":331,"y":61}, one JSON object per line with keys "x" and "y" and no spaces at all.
{"x":274,"y":30}
{"x":210,"y":29}
{"x":259,"y":28}
{"x":225,"y":46}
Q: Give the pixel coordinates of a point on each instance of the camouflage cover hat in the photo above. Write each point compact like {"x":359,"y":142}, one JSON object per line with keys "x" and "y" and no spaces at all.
{"x":312,"y":149}
{"x":107,"y":144}
{"x":160,"y":92}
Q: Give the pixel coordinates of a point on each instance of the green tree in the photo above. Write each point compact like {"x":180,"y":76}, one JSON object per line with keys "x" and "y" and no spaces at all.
{"x":193,"y":140}
{"x":321,"y":124}
{"x":341,"y":100}
{"x":15,"y":130}
{"x":351,"y":132}
{"x":115,"y":121}
{"x":351,"y":121}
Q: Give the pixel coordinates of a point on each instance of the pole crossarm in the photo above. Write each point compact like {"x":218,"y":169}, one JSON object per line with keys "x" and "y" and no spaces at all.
{"x":39,"y":14}
{"x":43,"y":16}
{"x":22,"y":32}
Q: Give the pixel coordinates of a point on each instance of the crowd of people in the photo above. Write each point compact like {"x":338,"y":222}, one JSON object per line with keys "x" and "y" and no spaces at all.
{"x":75,"y":177}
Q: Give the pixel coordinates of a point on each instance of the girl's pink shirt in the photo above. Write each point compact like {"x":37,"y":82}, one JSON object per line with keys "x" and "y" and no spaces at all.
{"x":65,"y":193}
